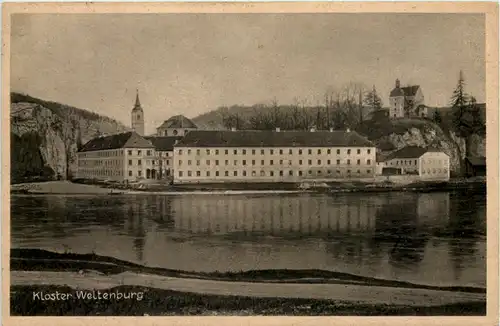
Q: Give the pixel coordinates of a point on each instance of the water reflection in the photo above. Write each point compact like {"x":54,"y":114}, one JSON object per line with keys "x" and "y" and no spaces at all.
{"x":429,"y":238}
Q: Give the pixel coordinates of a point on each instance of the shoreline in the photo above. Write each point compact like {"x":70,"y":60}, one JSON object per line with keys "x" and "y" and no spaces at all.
{"x":69,"y":188}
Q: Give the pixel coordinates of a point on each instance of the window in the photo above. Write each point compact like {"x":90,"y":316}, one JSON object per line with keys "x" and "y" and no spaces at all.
{"x":208,"y":162}
{"x":290,"y":152}
{"x":226,"y":173}
{"x":262,"y":173}
{"x":235,"y":173}
{"x":310,"y":151}
{"x":281,"y":152}
{"x":244,"y":173}
{"x":129,"y":162}
{"x":139,"y":162}
{"x":359,"y":162}
{"x":348,"y":162}
{"x":129,"y":173}
{"x":235,"y":151}
{"x":415,"y":162}
{"x":216,"y":152}
{"x":309,"y":162}
{"x":197,"y":152}
{"x":281,"y":162}
{"x":139,"y":173}
{"x":226,"y":151}
{"x":180,"y":152}
{"x":359,"y":171}
{"x":235,"y":162}
{"x":216,"y":162}
{"x":244,"y":162}
{"x":180,"y":162}
{"x":300,"y":162}
{"x":189,"y":162}
{"x":319,"y":172}
{"x":281,"y":173}
{"x":227,"y":162}
{"x":189,"y":173}
{"x":348,"y":171}
{"x":271,"y":173}
{"x":244,"y":152}
{"x":368,"y":162}
{"x":261,"y":152}
{"x":368,"y":171}
{"x":138,"y":152}
{"x":329,"y":172}
{"x":319,"y":162}
{"x":271,"y":151}
{"x":208,"y":152}
{"x":300,"y":173}
{"x":216,"y":173}
{"x":290,"y":173}
{"x":359,"y":151}
{"x":168,"y":162}
{"x":148,"y":153}
{"x":300,"y":152}
{"x":253,"y":162}
{"x":129,"y":152}
{"x":254,"y":174}
{"x":253,"y":151}
{"x":328,"y":162}
{"x":175,"y":132}
{"x":198,"y":173}
{"x":189,"y":152}
{"x":348,"y":152}
{"x":338,"y":151}
{"x":262,"y":162}
{"x":271,"y":162}
{"x":338,"y":162}
{"x":319,"y":151}
{"x":310,"y":172}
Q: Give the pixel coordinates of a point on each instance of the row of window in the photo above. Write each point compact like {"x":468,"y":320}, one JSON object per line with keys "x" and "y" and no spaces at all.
{"x":148,"y":162}
{"x":271,"y":151}
{"x":263,"y":173}
{"x":109,"y":153}
{"x":139,"y":152}
{"x":415,"y":162}
{"x":99,"y":162}
{"x":101,"y":173}
{"x":434,"y":171}
{"x":271,"y":162}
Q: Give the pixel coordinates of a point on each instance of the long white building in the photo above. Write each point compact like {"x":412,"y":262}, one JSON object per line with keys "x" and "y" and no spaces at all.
{"x":272,"y":156}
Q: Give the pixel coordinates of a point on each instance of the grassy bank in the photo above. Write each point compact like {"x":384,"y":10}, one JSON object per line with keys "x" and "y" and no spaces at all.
{"x":42,"y":260}
{"x":173,"y":303}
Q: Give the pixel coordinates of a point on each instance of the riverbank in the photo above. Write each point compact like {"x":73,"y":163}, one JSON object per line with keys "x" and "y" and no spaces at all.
{"x":158,"y":302}
{"x":71,"y":188}
{"x":37,"y":273}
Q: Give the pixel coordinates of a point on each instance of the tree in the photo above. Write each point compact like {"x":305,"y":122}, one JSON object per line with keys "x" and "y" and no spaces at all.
{"x":459,"y":99}
{"x":373,"y":100}
{"x":436,"y":117}
{"x":408,"y":107}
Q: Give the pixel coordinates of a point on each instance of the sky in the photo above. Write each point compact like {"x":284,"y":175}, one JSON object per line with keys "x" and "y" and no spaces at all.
{"x":192,"y":63}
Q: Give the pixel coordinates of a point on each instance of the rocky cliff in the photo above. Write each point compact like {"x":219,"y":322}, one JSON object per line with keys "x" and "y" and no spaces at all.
{"x":392,"y":135}
{"x":45,"y":136}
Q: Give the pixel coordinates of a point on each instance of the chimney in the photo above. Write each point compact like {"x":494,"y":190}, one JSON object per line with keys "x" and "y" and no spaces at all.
{"x":331,"y":129}
{"x":277,"y":129}
{"x":313,"y":129}
{"x":233,"y":129}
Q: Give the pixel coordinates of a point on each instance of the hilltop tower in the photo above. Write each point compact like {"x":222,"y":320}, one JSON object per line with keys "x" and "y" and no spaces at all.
{"x":138,"y":116}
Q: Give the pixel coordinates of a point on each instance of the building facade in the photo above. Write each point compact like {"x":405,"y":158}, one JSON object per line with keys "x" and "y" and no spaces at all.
{"x":407,"y":102}
{"x":177,"y":125}
{"x":164,"y":155}
{"x":272,"y":156}
{"x":429,"y":164}
{"x":121,"y":157}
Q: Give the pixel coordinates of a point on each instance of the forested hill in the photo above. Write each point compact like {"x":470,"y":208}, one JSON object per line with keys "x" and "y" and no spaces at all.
{"x":45,"y":136}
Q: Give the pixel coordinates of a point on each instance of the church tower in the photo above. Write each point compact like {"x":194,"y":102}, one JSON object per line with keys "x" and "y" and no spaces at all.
{"x":138,"y":116}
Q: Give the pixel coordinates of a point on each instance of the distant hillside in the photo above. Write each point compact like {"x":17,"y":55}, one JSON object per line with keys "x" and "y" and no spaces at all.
{"x":45,"y":136}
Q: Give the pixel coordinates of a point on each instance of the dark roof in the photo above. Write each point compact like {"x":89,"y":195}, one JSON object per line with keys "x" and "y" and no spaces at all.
{"x":178,"y":121}
{"x":255,"y":138}
{"x":164,"y":143}
{"x":405,"y":91}
{"x":411,"y":152}
{"x":124,"y":140}
{"x":476,"y":161}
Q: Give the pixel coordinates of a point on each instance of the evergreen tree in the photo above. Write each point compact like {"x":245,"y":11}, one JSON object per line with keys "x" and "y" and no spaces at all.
{"x":373,"y":100}
{"x":436,"y":117}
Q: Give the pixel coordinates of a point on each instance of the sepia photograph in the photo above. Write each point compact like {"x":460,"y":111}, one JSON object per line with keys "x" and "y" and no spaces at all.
{"x":248,"y":163}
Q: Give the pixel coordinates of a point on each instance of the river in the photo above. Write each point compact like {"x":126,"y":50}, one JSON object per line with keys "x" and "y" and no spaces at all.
{"x":434,"y":238}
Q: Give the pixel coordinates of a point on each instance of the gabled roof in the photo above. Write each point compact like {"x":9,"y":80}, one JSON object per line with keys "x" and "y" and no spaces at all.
{"x":410,"y":152}
{"x":405,"y":91}
{"x":476,"y":161}
{"x":178,"y":121}
{"x":256,"y":138}
{"x":124,"y":140}
{"x":164,"y":143}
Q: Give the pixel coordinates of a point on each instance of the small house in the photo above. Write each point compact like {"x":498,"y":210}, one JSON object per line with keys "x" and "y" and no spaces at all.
{"x":475,"y":166}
